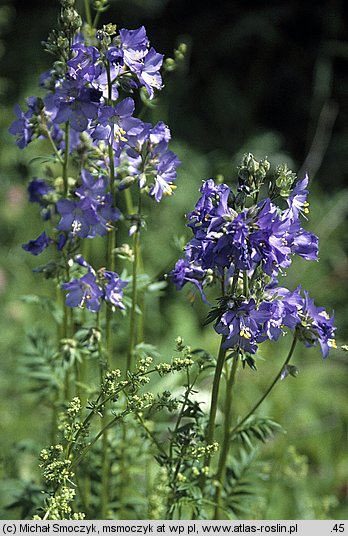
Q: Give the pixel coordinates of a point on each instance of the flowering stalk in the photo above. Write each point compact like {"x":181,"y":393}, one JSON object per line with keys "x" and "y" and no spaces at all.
{"x":234,"y":233}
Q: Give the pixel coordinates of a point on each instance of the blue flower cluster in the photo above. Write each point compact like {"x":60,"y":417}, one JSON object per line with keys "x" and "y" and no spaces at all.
{"x":88,"y":290}
{"x":88,"y":113}
{"x":247,"y":249}
{"x":88,"y":96}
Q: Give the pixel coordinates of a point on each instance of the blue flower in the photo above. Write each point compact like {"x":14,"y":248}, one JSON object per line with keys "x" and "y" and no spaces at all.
{"x":115,"y":55}
{"x":77,"y":217}
{"x":84,"y":292}
{"x":316,"y":326}
{"x":35,"y":247}
{"x":306,"y":245}
{"x":134,"y":44}
{"x":297,"y":200}
{"x":242,"y":326}
{"x":115,"y":122}
{"x":186,"y":272}
{"x":75,"y":102}
{"x":84,"y":63}
{"x":37,"y":188}
{"x":106,"y":214}
{"x":312,"y":324}
{"x":114,"y":289}
{"x":165,"y":164}
{"x":211,"y":205}
{"x":22,"y":127}
{"x":148,"y":73}
{"x":284,"y":311}
{"x":94,"y":189}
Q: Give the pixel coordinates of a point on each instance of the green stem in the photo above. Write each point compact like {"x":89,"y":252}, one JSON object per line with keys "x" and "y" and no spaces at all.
{"x":259,"y":402}
{"x":124,"y":476}
{"x":246,"y":284}
{"x":104,"y":499}
{"x":253,"y":277}
{"x":110,"y":264}
{"x":105,"y":473}
{"x":88,"y":13}
{"x":98,"y":406}
{"x":182,"y":409}
{"x":141,"y":298}
{"x":96,"y":19}
{"x":66,"y":312}
{"x":108,"y":335}
{"x":111,"y":237}
{"x":56,"y":152}
{"x":235,"y":282}
{"x":77,"y":379}
{"x":95,"y":439}
{"x":129,"y":201}
{"x":210,"y":436}
{"x":133,"y":313}
{"x":151,"y":435}
{"x":220,"y":475}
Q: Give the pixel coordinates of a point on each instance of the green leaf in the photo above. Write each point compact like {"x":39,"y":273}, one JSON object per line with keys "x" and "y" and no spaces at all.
{"x":43,"y":159}
{"x":256,"y":428}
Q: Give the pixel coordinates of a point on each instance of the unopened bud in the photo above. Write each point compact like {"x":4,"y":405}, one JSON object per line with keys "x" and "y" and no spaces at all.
{"x":266,"y":165}
{"x":126,"y":182}
{"x":169,"y":64}
{"x":182,"y":48}
{"x":179,"y":56}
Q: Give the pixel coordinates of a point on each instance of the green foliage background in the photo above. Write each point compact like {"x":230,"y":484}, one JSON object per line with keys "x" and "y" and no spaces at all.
{"x":270,"y":78}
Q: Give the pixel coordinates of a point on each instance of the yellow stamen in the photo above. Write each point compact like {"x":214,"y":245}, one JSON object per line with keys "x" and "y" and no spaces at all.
{"x":169,"y":190}
{"x":245,"y":332}
{"x":120,"y":134}
{"x":332,"y":343}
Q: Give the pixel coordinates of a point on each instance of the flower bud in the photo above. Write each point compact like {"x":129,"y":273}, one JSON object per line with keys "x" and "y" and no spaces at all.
{"x":253,"y":165}
{"x":126,"y":182}
{"x":182,"y":48}
{"x":266,"y":165}
{"x":178,"y":55}
{"x":169,"y":64}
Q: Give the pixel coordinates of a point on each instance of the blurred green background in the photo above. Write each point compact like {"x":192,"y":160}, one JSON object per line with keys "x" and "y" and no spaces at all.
{"x":269,"y":78}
